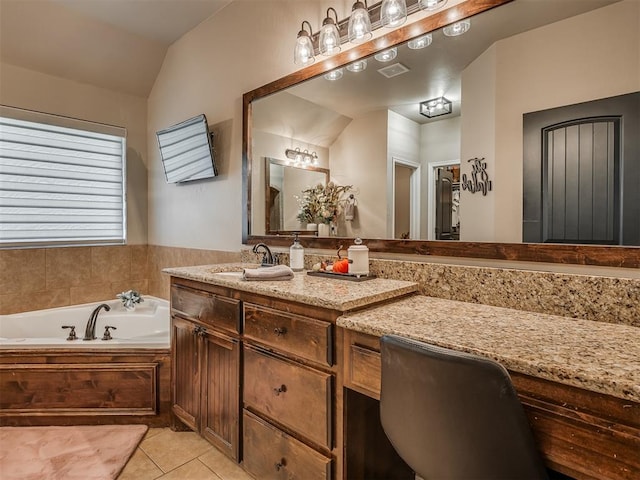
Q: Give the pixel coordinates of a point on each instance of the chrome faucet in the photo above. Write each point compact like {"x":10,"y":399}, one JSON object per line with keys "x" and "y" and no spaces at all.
{"x":90,"y":330}
{"x":268,"y":258}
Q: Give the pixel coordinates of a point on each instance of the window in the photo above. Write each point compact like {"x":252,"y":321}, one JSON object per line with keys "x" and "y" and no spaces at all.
{"x":62,"y":181}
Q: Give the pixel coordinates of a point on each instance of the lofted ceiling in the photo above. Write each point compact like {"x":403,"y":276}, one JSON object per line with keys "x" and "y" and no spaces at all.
{"x":117,"y":45}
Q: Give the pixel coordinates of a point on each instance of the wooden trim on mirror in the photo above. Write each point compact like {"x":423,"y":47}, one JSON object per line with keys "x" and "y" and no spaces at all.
{"x":611,"y":256}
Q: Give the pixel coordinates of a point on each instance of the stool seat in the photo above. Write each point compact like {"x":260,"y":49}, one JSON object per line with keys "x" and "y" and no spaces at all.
{"x":452,"y":415}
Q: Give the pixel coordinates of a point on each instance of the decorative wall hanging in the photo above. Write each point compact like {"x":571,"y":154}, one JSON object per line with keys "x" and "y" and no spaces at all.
{"x":479,"y":181}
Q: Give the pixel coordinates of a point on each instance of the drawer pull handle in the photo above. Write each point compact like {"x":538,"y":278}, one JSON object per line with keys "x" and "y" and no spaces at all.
{"x":279,"y":331}
{"x":281,"y":464}
{"x":281,"y":389}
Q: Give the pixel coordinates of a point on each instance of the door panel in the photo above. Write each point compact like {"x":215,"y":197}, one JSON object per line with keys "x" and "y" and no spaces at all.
{"x":581,"y":173}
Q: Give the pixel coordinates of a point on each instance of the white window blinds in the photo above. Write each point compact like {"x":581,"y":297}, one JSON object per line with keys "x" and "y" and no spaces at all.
{"x":62,"y":181}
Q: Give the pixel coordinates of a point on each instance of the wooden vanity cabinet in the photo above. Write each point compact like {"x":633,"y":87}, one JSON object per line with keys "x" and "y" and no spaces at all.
{"x":580,"y":433}
{"x":290,"y":394}
{"x":206,"y":364}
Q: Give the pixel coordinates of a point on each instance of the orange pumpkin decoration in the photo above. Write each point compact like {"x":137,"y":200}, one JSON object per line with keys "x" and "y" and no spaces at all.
{"x":341,"y":266}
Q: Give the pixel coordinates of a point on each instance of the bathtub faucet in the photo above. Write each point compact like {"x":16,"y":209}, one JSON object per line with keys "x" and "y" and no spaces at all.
{"x":90,"y":331}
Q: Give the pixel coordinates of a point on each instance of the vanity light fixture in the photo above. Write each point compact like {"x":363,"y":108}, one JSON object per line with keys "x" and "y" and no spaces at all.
{"x":435,"y":107}
{"x":359,"y":30}
{"x":457,"y":28}
{"x":358,"y":66}
{"x":301,"y":158}
{"x":303,"y":51}
{"x":386,"y":55}
{"x":329,"y":41}
{"x":432,"y":4}
{"x":393,"y":13}
{"x":335,"y":74}
{"x":420,"y":42}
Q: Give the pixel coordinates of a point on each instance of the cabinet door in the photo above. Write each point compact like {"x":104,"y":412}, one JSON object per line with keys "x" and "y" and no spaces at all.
{"x":221,"y":391}
{"x":185,"y":371}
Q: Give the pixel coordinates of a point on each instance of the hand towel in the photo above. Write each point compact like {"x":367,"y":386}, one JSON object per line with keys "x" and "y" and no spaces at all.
{"x":277,"y":272}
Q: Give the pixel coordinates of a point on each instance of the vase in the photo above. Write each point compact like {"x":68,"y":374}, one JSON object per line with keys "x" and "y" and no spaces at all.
{"x":323,"y":230}
{"x":312,"y":227}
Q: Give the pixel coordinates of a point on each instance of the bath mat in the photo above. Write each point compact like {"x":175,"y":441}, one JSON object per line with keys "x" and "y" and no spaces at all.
{"x":76,"y":452}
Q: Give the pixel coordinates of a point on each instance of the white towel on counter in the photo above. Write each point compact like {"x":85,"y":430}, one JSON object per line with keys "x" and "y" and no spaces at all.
{"x":277,"y":272}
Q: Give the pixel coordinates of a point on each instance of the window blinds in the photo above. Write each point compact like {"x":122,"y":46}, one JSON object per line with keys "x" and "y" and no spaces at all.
{"x":62,"y":181}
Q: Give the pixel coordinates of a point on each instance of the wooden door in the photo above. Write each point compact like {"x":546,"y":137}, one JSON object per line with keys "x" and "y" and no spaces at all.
{"x":444,"y":199}
{"x":581,"y":181}
{"x":581,"y":173}
{"x":220,"y":391}
{"x":185,"y":371}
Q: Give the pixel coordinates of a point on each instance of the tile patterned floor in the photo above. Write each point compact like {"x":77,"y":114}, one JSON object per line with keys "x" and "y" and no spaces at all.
{"x":167,"y":455}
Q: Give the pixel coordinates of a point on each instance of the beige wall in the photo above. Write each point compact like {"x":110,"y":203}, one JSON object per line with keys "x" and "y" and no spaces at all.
{"x":360,"y":153}
{"x":244,"y":46}
{"x":584,"y":65}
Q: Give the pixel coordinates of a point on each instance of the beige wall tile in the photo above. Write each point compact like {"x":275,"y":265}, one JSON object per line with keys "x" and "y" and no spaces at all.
{"x":91,"y":293}
{"x":139,"y":261}
{"x":110,"y":264}
{"x":22,"y":270}
{"x":67,"y":267}
{"x":11,"y":303}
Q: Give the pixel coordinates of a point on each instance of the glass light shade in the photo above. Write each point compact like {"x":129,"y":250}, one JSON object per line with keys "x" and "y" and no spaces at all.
{"x":358,"y":66}
{"x":329,"y":41}
{"x":386,"y":55}
{"x":432,"y":4}
{"x":457,"y":28}
{"x":303,"y":51}
{"x":393,"y":13}
{"x":334,"y":74}
{"x":359,"y":24}
{"x":420,"y":42}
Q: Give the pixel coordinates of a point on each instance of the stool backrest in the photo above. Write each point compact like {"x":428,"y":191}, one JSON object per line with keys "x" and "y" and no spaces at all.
{"x":452,"y":415}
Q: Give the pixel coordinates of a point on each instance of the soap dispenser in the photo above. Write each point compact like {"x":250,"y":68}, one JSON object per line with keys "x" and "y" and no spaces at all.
{"x":296,"y":255}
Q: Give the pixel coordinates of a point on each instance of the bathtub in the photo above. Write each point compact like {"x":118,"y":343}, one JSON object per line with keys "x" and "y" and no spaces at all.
{"x":146,"y":327}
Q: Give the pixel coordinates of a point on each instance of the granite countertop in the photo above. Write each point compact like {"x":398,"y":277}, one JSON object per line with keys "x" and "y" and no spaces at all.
{"x":334,"y":294}
{"x":595,"y":356}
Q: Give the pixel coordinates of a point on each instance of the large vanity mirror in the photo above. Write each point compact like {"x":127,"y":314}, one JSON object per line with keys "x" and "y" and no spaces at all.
{"x":456,"y":178}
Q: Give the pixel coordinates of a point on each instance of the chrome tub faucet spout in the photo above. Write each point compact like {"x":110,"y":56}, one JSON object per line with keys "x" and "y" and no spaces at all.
{"x":90,"y":330}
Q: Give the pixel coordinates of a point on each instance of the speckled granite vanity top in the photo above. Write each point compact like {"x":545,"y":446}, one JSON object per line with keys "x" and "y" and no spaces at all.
{"x":596,"y":356}
{"x":333,"y":294}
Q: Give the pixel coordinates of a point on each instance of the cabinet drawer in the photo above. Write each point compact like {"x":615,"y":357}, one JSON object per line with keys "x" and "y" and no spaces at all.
{"x":270,"y":453}
{"x":298,"y":397}
{"x":305,"y":337}
{"x":365,"y":371}
{"x":206,"y":307}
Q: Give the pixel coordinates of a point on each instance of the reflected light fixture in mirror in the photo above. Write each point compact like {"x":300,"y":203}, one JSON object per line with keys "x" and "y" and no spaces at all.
{"x":457,"y":28}
{"x":334,"y":74}
{"x":386,"y":55}
{"x":303,"y":51}
{"x":329,"y":40}
{"x":299,"y":158}
{"x":432,"y":4}
{"x":420,"y":42}
{"x":435,"y":107}
{"x":359,"y":30}
{"x":358,"y":66}
{"x":393,"y":13}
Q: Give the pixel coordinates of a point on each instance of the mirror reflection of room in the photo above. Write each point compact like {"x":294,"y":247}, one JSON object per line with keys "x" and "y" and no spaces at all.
{"x":370,"y":128}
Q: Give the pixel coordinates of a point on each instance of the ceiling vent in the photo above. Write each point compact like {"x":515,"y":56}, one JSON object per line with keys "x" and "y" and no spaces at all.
{"x":393,"y":70}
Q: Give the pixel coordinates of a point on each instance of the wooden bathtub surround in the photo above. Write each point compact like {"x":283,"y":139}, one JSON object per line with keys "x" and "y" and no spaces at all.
{"x":302,"y":382}
{"x":72,"y":387}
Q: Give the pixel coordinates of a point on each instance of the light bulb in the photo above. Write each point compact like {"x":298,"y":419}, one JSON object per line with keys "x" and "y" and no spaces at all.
{"x":334,"y":74}
{"x":457,"y":28}
{"x":357,"y":66}
{"x":386,"y":55}
{"x":393,"y":13}
{"x":359,"y":24}
{"x":420,"y":42}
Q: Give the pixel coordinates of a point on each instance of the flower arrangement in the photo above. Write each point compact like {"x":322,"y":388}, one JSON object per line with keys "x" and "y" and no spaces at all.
{"x":129,"y":299}
{"x":322,"y":203}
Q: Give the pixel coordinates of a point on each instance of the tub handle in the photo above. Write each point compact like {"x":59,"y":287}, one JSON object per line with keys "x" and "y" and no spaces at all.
{"x":107,"y":333}
{"x":72,"y":332}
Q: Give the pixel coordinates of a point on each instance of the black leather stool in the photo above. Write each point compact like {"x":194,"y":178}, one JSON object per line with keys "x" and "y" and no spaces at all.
{"x":451,"y":415}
